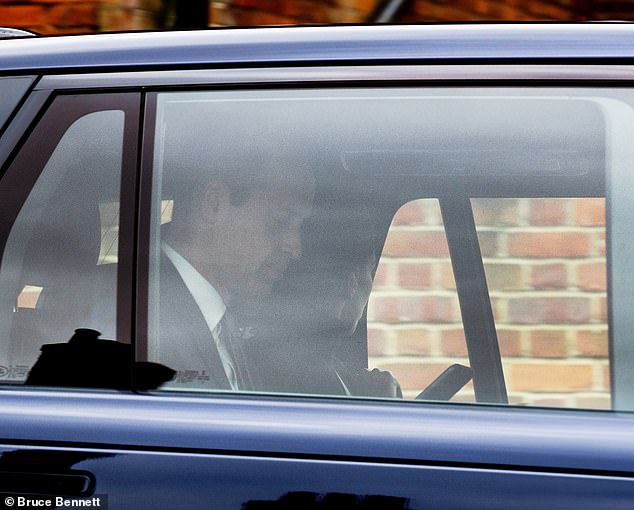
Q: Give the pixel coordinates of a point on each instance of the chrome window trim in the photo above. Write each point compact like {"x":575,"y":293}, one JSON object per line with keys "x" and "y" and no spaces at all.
{"x":327,"y":73}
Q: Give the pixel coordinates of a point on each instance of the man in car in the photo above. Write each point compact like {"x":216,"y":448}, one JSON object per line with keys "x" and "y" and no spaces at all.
{"x":235,"y":228}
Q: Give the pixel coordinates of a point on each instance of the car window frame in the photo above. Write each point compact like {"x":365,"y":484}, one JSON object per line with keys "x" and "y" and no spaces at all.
{"x":482,"y":342}
{"x":53,"y":113}
{"x":526,"y":74}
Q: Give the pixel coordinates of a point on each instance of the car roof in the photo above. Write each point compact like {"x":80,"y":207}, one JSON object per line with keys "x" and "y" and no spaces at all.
{"x":306,"y":45}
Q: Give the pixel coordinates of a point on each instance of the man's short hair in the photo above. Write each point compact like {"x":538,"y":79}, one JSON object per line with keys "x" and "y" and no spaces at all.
{"x":241,"y":160}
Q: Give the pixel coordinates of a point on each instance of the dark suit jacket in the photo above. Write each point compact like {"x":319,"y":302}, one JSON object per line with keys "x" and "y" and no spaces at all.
{"x":185,"y":343}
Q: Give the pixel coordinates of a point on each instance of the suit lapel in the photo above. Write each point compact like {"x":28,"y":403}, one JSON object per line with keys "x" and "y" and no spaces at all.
{"x":185,"y":342}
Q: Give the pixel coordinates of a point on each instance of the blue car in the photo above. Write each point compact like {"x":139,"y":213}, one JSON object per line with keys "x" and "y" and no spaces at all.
{"x":351,"y":267}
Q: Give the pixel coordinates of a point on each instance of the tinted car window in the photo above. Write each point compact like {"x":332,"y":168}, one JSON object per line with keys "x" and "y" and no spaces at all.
{"x":12,"y":89}
{"x":58,"y":272}
{"x":358,"y":243}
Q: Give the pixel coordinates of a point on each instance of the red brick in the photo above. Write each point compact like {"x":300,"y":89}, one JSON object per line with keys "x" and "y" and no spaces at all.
{"x":447,"y":278}
{"x":257,"y":18}
{"x":247,"y":3}
{"x":386,"y":308}
{"x":599,"y":244}
{"x":548,"y":244}
{"x":547,"y":11}
{"x":549,"y":377}
{"x":593,"y":344}
{"x":416,"y":341}
{"x":547,"y":211}
{"x":453,"y":342}
{"x":414,"y":376}
{"x":410,"y":243}
{"x":481,"y":6}
{"x":548,"y":310}
{"x":23,"y":15}
{"x":593,"y":402}
{"x":510,"y":342}
{"x":495,"y":211}
{"x":600,"y":309}
{"x":300,"y":10}
{"x":377,"y":342}
{"x":590,"y":212}
{"x":366,"y":6}
{"x":455,"y":14}
{"x":592,"y":276}
{"x":382,"y":275}
{"x":560,"y":402}
{"x":53,"y":2}
{"x":73,"y":15}
{"x":412,"y":213}
{"x":549,"y":276}
{"x":431,"y":211}
{"x":428,"y":309}
{"x":548,"y":344}
{"x":113,"y":18}
{"x":414,"y":275}
{"x":338,"y":15}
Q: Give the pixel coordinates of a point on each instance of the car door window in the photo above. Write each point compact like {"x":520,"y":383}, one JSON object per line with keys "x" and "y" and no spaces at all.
{"x":61,"y":245}
{"x":381,"y":242}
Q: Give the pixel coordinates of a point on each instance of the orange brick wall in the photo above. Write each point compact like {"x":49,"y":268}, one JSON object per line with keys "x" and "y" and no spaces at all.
{"x":76,"y":16}
{"x":482,"y":10}
{"x":545,"y":266}
{"x":279,"y":12}
{"x":80,"y":16}
{"x":285,"y":12}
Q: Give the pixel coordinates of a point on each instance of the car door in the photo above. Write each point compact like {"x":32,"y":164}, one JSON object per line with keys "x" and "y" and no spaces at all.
{"x":408,"y":169}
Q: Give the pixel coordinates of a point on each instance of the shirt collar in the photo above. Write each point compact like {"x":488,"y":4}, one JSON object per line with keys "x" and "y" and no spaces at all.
{"x":205,"y":295}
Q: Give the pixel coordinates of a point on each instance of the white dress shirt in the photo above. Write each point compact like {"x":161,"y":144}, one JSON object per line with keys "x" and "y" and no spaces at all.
{"x":209,"y":303}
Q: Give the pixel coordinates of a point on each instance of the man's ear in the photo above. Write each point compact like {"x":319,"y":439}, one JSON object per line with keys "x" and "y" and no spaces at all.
{"x":213,"y":197}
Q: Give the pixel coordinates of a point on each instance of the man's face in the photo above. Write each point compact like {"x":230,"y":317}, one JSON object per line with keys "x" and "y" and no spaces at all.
{"x":253,"y":242}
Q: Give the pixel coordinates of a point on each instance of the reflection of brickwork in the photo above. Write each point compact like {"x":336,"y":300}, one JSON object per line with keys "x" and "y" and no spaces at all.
{"x":545,"y":265}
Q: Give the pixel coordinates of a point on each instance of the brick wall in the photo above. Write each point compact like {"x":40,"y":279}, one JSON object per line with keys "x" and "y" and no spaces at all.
{"x":80,"y":16}
{"x":482,"y":10}
{"x":280,"y":12}
{"x":545,"y":266}
{"x":77,"y":16}
{"x":288,"y":12}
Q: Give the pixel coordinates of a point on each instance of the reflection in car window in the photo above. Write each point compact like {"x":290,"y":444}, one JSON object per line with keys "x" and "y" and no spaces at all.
{"x":298,"y":242}
{"x":12,"y":89}
{"x":53,"y":279}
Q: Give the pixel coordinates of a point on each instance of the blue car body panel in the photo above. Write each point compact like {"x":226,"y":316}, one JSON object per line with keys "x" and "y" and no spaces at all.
{"x":360,"y":430}
{"x":309,"y":45}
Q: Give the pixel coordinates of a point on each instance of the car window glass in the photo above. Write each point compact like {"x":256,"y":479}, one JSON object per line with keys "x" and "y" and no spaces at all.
{"x":414,"y":324}
{"x":12,"y":89}
{"x":547,"y":277}
{"x":382,"y":243}
{"x":58,"y":268}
